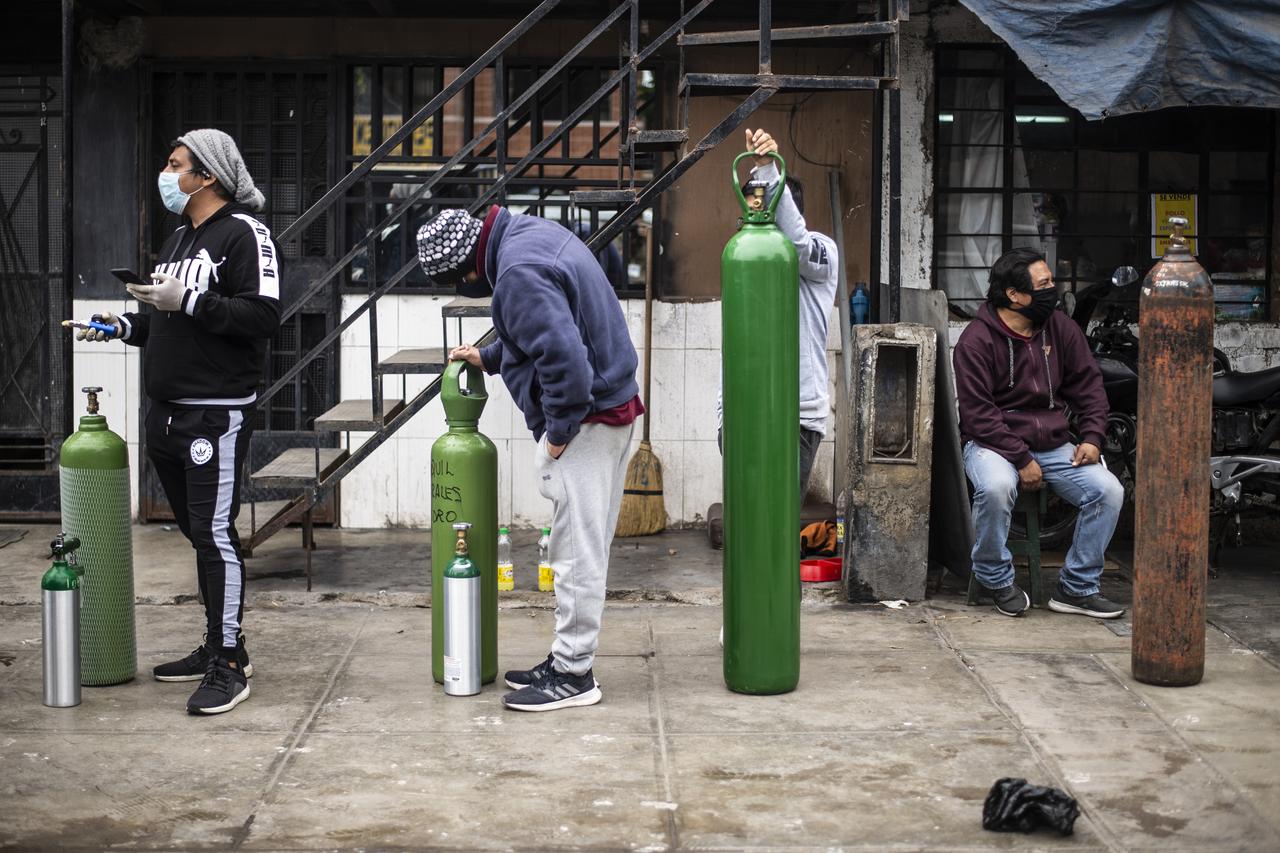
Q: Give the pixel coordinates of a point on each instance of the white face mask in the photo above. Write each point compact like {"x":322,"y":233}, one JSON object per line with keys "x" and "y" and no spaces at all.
{"x":175,"y":200}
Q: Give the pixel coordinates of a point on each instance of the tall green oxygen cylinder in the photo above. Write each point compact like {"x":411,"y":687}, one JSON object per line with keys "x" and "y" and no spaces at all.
{"x":464,"y":488}
{"x":759,"y":282}
{"x":94,"y":481}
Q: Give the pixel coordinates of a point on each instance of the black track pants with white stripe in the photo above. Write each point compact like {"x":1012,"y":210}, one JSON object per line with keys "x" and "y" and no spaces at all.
{"x":198,"y":455}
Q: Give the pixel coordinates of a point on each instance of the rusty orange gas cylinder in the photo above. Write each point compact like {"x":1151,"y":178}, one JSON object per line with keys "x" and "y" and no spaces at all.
{"x":1175,"y":413}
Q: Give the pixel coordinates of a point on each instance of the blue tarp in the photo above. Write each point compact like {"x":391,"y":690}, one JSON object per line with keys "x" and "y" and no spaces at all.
{"x":1111,"y":57}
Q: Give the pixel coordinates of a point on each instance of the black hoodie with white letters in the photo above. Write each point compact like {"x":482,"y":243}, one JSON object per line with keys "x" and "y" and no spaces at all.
{"x":212,"y":351}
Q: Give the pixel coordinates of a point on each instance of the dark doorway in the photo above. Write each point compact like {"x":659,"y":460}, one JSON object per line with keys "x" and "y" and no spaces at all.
{"x":34,"y":356}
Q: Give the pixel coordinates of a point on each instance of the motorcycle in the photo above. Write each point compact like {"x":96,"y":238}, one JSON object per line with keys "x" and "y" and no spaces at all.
{"x":1244,"y":470}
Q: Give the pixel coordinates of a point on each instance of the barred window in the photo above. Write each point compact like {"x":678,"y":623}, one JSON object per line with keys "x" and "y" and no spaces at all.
{"x":1017,"y":167}
{"x":382,"y":96}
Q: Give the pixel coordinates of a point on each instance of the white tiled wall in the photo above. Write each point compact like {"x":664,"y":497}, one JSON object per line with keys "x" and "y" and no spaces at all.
{"x":391,"y":488}
{"x":114,"y":367}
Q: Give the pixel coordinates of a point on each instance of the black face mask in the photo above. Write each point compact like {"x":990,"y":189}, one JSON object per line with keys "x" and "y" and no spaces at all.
{"x":1043,"y":304}
{"x":478,"y":289}
{"x":456,"y":278}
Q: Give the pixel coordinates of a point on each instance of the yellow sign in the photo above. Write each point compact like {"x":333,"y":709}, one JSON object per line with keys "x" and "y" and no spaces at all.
{"x":362,"y":136}
{"x":1164,"y":205}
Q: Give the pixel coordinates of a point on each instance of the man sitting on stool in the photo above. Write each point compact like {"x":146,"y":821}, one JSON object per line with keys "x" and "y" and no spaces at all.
{"x":1018,"y":367}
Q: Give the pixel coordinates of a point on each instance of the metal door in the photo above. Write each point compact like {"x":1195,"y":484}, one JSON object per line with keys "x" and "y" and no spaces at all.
{"x":34,"y":352}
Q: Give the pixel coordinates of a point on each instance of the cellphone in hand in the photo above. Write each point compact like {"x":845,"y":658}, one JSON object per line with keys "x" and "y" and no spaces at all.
{"x":128,"y":276}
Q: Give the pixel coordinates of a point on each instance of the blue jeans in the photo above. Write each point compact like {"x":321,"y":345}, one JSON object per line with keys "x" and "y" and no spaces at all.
{"x":1091,"y":488}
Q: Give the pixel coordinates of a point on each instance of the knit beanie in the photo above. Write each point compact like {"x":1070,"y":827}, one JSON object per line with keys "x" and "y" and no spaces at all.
{"x":445,"y":243}
{"x":219,"y":154}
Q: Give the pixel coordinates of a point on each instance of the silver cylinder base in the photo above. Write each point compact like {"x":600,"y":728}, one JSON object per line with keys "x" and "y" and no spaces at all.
{"x":462,"y":636}
{"x":60,"y":619}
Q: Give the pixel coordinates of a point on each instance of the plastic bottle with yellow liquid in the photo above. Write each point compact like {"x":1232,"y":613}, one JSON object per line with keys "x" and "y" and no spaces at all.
{"x":546,"y":575}
{"x":506,"y":569}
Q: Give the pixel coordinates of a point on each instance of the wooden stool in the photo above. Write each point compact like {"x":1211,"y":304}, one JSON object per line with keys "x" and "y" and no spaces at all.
{"x":1032,"y":505}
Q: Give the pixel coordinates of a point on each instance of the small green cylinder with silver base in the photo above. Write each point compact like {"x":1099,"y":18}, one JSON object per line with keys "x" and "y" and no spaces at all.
{"x":94,"y":482}
{"x":461,"y":596}
{"x":60,"y":625}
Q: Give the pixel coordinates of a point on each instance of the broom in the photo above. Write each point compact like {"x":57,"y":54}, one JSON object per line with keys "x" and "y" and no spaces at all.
{"x":643,"y":512}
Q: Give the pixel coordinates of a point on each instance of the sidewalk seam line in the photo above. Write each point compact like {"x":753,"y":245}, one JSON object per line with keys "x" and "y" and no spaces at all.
{"x":664,"y":757}
{"x":1222,"y":777}
{"x":299,"y":736}
{"x":1266,"y":656}
{"x":1105,"y":833}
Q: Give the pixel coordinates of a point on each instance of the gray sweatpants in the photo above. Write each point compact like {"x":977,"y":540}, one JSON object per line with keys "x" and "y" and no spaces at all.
{"x":585,"y":487}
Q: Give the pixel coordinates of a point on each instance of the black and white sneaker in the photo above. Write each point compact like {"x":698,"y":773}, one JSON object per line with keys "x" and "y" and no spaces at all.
{"x":1084,"y":605}
{"x":555,"y":690}
{"x":194,"y":665}
{"x":1010,"y":600}
{"x":224,"y":687}
{"x":519,"y":678}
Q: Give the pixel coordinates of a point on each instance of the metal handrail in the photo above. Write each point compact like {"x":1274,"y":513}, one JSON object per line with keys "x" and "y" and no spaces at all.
{"x":601,"y":237}
{"x":632,"y":67}
{"x":405,"y":130}
{"x":422,"y":189}
{"x":765,"y":87}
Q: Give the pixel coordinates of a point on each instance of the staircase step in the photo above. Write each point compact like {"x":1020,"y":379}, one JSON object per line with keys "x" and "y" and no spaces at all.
{"x":262,"y":510}
{"x":296,"y":467}
{"x":426,"y":360}
{"x":821,"y":35}
{"x":724,"y":84}
{"x":466,"y":306}
{"x":602,"y":198}
{"x":357,"y":415}
{"x":656,"y":140}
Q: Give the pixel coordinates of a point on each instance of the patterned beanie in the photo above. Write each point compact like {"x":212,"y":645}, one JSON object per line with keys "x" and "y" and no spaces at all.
{"x":446,"y":242}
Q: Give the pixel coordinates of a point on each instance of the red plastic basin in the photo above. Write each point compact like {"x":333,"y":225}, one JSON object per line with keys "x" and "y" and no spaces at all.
{"x":824,"y":569}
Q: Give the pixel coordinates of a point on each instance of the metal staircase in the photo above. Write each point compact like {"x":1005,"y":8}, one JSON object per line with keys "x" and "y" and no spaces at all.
{"x":649,"y":161}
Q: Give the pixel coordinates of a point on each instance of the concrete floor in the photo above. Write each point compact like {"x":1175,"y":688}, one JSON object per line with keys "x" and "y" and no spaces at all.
{"x":903,"y":720}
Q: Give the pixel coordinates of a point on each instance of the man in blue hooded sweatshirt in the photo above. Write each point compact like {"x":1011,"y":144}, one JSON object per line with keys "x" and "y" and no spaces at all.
{"x":564,"y":353}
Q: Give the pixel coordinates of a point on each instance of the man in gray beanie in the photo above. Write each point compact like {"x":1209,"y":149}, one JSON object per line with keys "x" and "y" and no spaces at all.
{"x":216,"y":304}
{"x":565,"y":355}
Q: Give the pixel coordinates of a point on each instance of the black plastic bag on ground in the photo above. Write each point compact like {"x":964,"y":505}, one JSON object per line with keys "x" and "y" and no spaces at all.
{"x":1015,"y":805}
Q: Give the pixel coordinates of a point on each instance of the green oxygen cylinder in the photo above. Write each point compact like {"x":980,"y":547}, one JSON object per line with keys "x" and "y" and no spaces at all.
{"x":759,"y":281}
{"x":94,"y":483}
{"x":60,"y":625}
{"x":464,"y":488}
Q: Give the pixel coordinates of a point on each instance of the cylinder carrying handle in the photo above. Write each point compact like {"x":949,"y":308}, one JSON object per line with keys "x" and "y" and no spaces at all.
{"x":475,"y":380}
{"x":737,"y":185}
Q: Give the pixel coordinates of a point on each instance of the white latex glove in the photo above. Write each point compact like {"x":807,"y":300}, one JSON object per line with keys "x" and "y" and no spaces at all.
{"x":164,"y":295}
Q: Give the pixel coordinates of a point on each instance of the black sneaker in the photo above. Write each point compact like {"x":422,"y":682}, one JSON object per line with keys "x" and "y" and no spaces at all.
{"x":1084,"y":605}
{"x":194,"y":665}
{"x":224,"y":687}
{"x":555,"y":690}
{"x":520,"y":678}
{"x":1010,"y":600}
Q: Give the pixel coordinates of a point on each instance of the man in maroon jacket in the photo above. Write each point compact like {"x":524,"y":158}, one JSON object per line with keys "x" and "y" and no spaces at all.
{"x":1018,"y":367}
